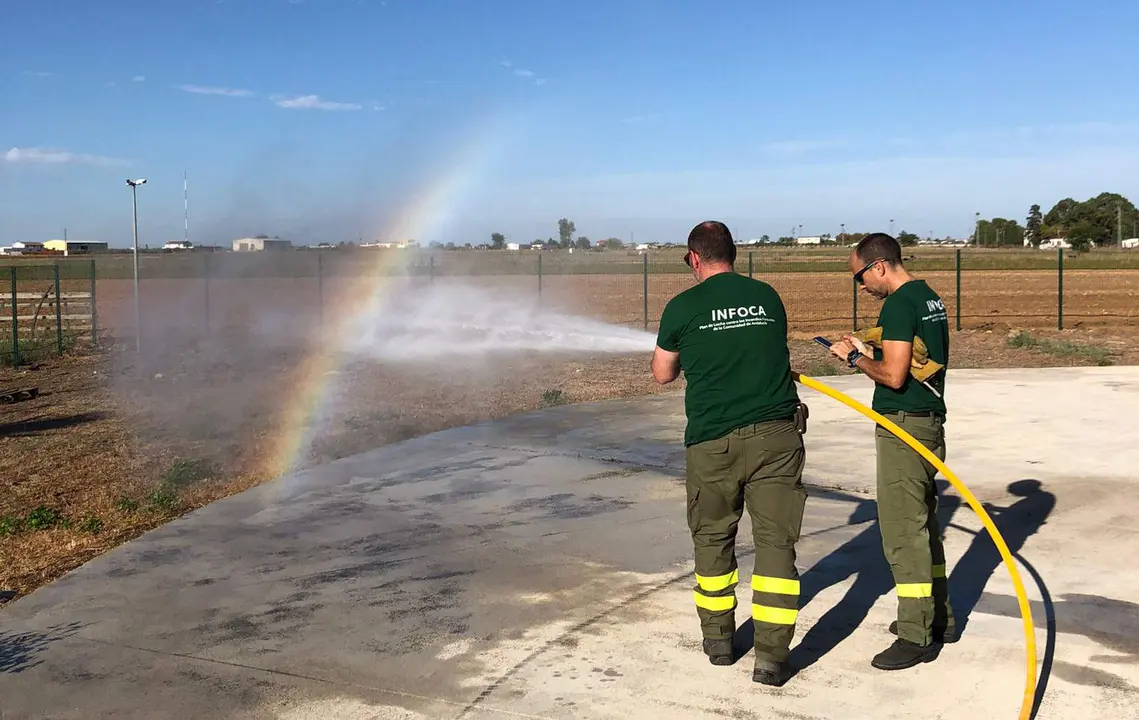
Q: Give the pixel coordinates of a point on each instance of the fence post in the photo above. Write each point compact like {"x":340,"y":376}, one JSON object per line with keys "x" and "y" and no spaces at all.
{"x":58,"y":311}
{"x":750,"y":265}
{"x":1059,"y":288}
{"x":539,"y":277}
{"x":15,"y":316}
{"x":320,"y":287}
{"x":94,"y":310}
{"x":645,"y":287}
{"x":958,"y":302}
{"x":206,"y":274}
{"x":854,"y":304}
{"x":431,"y":269}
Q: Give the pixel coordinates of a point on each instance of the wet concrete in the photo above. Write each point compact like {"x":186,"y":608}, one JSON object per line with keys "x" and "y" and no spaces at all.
{"x":540,"y":567}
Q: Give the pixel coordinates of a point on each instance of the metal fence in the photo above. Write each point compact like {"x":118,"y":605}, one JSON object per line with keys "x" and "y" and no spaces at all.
{"x":42,"y":314}
{"x":203,"y":293}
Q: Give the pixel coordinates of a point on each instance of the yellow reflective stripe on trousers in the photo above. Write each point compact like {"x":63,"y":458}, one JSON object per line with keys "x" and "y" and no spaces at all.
{"x":915,"y":590}
{"x":773,"y":615}
{"x":716,"y":583}
{"x":939,"y":571}
{"x":778,"y":586}
{"x":715,"y":604}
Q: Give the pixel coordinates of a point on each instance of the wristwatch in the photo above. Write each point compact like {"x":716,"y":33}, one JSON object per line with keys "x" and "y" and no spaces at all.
{"x":852,"y":357}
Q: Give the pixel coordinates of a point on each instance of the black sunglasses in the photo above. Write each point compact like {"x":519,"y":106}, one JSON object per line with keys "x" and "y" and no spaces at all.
{"x":688,"y":258}
{"x":858,"y":275}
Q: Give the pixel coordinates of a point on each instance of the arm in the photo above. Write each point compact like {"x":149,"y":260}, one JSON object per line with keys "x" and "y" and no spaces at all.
{"x":894,"y":366}
{"x":665,"y":366}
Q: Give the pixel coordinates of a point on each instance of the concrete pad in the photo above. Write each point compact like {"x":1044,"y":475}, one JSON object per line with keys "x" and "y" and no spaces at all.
{"x":540,"y":567}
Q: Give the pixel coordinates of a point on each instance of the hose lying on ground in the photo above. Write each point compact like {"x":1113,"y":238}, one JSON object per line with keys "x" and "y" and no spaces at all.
{"x":1021,"y":596}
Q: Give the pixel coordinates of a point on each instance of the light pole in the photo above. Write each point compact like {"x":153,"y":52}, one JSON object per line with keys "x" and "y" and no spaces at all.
{"x":137,"y":314}
{"x":843,"y":226}
{"x":891,"y":227}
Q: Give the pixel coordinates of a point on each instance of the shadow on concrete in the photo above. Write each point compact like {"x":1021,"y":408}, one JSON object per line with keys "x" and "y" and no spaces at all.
{"x":20,"y":651}
{"x":971,"y":573}
{"x":35,"y":426}
{"x":863,"y":557}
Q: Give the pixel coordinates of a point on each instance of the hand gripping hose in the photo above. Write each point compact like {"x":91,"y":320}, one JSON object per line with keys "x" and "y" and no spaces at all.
{"x":1022,"y":598}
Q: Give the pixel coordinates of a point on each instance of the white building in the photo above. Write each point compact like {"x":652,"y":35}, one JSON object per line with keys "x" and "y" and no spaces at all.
{"x":512,"y":246}
{"x":809,"y":240}
{"x":1130,"y":243}
{"x":178,"y":245}
{"x":75,"y":247}
{"x":258,"y":244}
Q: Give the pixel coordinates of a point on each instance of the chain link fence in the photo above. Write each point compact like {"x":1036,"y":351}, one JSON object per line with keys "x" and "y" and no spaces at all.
{"x":50,"y":306}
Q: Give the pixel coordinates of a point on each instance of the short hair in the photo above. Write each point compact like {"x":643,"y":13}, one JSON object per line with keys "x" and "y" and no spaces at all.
{"x":713,"y":242}
{"x":879,"y":246}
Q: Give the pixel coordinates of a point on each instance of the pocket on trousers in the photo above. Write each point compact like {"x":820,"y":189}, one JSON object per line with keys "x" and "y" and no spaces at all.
{"x":711,"y":459}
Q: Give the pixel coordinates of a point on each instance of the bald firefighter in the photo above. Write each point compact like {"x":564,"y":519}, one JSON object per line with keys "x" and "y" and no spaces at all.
{"x":743,"y":446}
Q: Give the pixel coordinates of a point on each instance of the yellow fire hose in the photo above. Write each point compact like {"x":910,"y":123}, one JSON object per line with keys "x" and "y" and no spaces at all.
{"x":1022,"y":598}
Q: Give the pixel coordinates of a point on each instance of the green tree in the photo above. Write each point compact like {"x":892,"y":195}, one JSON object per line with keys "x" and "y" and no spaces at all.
{"x":613,"y":243}
{"x":907,"y":239}
{"x":1110,"y":214}
{"x":1000,"y":231}
{"x":566,"y":229}
{"x":1034,"y":226}
{"x":786,"y":240}
{"x":583,"y":243}
{"x":497,"y":241}
{"x":764,"y":238}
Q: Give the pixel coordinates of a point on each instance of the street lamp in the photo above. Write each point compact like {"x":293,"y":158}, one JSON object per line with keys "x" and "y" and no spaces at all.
{"x":137,"y":314}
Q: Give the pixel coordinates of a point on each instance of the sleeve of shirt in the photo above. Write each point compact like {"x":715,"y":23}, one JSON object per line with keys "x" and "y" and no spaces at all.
{"x":899,"y":322}
{"x":668,"y":336}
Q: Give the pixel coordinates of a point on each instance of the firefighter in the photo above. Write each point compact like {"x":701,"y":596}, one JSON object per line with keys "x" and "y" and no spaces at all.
{"x":907,"y":359}
{"x":743,"y":446}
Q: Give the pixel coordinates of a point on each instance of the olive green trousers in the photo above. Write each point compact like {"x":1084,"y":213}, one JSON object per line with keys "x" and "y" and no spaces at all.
{"x":911,"y":534}
{"x":758,"y":467}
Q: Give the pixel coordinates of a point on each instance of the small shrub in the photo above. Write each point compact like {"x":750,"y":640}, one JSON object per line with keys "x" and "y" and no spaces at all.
{"x":127,"y":505}
{"x":163,"y":499}
{"x":187,"y":472}
{"x":91,"y":524}
{"x":10,"y":525}
{"x":550,"y":398}
{"x":43,"y":518}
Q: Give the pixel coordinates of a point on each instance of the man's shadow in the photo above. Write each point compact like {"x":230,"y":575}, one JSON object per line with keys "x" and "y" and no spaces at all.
{"x":863,"y":557}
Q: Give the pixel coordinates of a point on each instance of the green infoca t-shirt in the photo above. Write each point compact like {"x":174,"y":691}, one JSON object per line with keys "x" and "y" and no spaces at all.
{"x":912,"y":310}
{"x":731,"y":333}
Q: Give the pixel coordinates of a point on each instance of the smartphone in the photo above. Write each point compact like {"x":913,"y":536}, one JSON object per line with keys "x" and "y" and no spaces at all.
{"x":822,"y":341}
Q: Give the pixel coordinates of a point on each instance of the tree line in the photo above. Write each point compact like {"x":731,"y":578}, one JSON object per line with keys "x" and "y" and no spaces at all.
{"x":1105,"y":219}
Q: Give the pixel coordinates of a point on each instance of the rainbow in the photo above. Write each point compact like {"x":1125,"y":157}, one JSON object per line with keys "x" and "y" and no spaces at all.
{"x":431,"y":209}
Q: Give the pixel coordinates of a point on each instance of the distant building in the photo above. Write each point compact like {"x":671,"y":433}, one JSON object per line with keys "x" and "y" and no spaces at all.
{"x":178,"y":245}
{"x":24,"y":248}
{"x":259,"y":244}
{"x":75,"y":247}
{"x":512,"y":246}
{"x":809,"y":240}
{"x":1130,"y":243}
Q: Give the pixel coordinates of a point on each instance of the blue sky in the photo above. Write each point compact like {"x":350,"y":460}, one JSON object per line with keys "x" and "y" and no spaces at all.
{"x":451,"y":119}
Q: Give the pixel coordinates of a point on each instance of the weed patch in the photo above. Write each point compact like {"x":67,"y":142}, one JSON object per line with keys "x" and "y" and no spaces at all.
{"x":1060,"y":348}
{"x":551,"y":398}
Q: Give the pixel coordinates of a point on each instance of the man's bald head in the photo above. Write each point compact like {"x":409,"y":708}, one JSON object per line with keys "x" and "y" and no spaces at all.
{"x":713,"y":242}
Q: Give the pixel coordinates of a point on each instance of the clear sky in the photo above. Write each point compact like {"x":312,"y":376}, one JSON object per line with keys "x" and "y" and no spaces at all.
{"x":328,"y":120}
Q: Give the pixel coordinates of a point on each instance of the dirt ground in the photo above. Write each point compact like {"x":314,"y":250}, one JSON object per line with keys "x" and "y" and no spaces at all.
{"x":116,"y":444}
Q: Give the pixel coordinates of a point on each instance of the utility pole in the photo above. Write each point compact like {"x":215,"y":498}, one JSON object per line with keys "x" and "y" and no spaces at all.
{"x":1119,"y":224}
{"x":137,"y":313}
{"x":186,"y":205}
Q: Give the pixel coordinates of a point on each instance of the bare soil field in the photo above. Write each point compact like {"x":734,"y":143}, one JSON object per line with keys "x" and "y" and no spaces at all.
{"x":815,"y":301}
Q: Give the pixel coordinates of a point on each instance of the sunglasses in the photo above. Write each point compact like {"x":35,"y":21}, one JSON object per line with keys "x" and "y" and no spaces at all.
{"x":858,"y":275}
{"x":688,"y":258}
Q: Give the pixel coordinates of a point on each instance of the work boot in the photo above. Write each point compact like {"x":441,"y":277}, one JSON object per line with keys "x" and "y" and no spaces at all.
{"x":771,"y":673}
{"x":719,"y":652}
{"x":946,"y":635}
{"x":901,"y":655}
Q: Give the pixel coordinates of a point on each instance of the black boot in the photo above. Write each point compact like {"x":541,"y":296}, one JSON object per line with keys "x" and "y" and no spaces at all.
{"x":771,"y":673}
{"x":944,"y":635}
{"x":719,"y":652}
{"x":901,"y":655}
